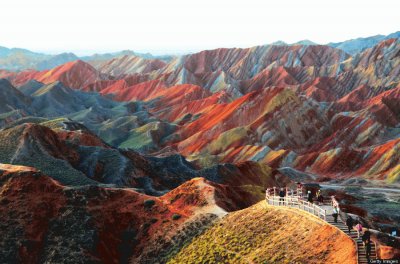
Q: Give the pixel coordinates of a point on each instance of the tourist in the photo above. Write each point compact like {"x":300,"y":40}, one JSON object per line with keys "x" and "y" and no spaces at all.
{"x":368,"y":250}
{"x":366,"y":237}
{"x":300,"y":189}
{"x":335,"y":213}
{"x":290,"y":197}
{"x":281,"y":197}
{"x":317,"y":195}
{"x":349,"y":223}
{"x":359,"y":228}
{"x":321,"y":199}
{"x":309,"y":197}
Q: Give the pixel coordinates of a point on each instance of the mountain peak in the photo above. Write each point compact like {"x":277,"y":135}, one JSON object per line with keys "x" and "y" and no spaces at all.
{"x":279,"y":43}
{"x":75,"y":74}
{"x":305,"y":42}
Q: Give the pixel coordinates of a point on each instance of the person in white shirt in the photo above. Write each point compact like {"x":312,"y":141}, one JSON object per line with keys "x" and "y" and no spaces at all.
{"x":335,"y":213}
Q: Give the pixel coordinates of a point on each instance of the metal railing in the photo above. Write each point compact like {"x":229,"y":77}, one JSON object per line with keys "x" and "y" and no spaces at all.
{"x":343,"y":216}
{"x":289,"y":192}
{"x":295,"y":201}
{"x":294,"y":198}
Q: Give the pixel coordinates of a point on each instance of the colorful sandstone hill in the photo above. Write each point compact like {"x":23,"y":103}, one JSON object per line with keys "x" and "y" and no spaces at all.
{"x":127,"y":158}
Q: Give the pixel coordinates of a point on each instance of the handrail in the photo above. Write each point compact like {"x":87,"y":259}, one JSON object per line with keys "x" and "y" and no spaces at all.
{"x":289,"y":192}
{"x":356,"y":246}
{"x":296,"y":201}
{"x":342,"y":216}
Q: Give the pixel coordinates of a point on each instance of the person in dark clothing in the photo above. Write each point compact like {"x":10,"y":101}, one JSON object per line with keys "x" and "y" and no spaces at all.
{"x":368,"y":250}
{"x":321,"y":199}
{"x":335,"y":213}
{"x":281,"y":196}
{"x":366,"y":237}
{"x":349,"y":223}
{"x":309,"y":197}
{"x":318,"y":194}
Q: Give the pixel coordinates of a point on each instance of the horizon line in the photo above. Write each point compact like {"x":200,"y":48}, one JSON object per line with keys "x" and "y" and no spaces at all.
{"x":173,"y":51}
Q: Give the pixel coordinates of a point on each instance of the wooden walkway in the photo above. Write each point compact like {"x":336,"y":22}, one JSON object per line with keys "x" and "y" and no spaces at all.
{"x":324,"y":211}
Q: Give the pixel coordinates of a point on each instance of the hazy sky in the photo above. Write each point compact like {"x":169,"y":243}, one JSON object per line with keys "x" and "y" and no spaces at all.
{"x":165,"y":26}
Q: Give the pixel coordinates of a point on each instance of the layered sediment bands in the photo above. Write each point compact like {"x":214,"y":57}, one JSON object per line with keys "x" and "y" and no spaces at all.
{"x":243,"y":237}
{"x":126,"y":65}
{"x":280,"y":105}
{"x":104,"y":224}
{"x":56,"y":223}
{"x":76,"y":74}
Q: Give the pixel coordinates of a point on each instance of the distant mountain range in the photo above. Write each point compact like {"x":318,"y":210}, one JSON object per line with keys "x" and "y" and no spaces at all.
{"x":352,"y":46}
{"x":131,"y":158}
{"x":357,"y":45}
{"x":304,"y":42}
{"x":17,"y":59}
{"x":195,"y":105}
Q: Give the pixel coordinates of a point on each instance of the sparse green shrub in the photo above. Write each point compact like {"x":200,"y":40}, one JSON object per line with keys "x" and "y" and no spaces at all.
{"x":148,"y":204}
{"x":176,"y":216}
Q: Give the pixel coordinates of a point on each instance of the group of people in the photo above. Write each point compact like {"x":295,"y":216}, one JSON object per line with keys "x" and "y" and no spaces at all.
{"x":365,"y":235}
{"x":351,"y":223}
{"x":318,"y":195}
{"x":310,"y":197}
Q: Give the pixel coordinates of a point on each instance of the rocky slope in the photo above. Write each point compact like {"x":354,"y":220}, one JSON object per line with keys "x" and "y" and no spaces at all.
{"x":69,"y":225}
{"x":103,"y":224}
{"x":126,"y":65}
{"x":310,"y":107}
{"x":73,"y":155}
{"x":264,"y":234}
{"x":78,"y":224}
